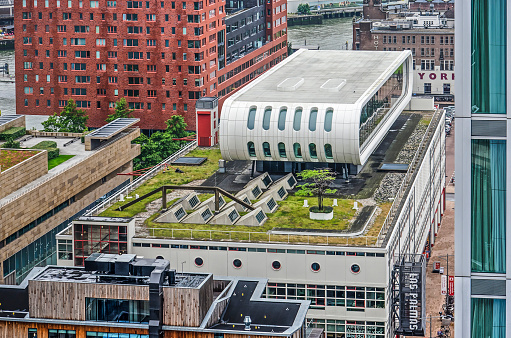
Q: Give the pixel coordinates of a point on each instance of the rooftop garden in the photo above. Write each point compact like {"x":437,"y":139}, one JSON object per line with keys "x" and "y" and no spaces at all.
{"x":170,"y":177}
{"x":9,"y":158}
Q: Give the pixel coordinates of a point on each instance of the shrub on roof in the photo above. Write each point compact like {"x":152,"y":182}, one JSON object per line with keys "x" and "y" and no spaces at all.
{"x":50,"y":147}
{"x":14,"y":133}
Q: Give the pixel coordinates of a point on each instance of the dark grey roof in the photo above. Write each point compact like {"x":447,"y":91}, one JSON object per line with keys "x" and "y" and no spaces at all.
{"x":112,"y":128}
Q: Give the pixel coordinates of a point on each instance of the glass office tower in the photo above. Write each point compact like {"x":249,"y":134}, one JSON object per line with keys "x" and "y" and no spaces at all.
{"x":483,"y":270}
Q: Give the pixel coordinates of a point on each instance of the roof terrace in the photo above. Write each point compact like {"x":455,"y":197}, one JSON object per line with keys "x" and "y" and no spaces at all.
{"x":376,"y":191}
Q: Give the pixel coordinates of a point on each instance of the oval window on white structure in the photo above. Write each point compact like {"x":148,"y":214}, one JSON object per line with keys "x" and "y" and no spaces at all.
{"x":282,"y":118}
{"x":328,"y":119}
{"x":266,"y":118}
{"x":313,"y":118}
{"x":313,"y":151}
{"x":297,"y":150}
{"x":266,"y":149}
{"x":282,"y":150}
{"x":297,"y":120}
{"x":251,"y":149}
{"x":328,"y":151}
{"x":251,"y":118}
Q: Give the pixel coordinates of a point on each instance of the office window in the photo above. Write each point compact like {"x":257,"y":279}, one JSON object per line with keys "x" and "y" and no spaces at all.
{"x":489,"y":57}
{"x":266,"y":149}
{"x":297,"y":150}
{"x":488,"y":206}
{"x":251,"y":117}
{"x":61,"y":334}
{"x":282,"y":118}
{"x":297,"y":121}
{"x":251,"y":149}
{"x":266,"y":118}
{"x":117,"y":310}
{"x":312,"y":119}
{"x":488,"y":318}
{"x":32,"y":333}
{"x":427,"y":88}
{"x":282,"y":150}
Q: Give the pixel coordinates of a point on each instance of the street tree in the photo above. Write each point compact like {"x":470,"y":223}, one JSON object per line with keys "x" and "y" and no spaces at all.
{"x":70,"y":119}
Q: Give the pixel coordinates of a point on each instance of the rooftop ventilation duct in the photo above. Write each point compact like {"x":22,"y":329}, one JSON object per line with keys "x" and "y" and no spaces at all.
{"x":290,"y":84}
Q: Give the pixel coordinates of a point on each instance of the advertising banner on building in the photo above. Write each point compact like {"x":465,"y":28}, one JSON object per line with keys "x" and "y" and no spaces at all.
{"x":443,"y":284}
{"x":411,"y":273}
{"x":451,"y":285}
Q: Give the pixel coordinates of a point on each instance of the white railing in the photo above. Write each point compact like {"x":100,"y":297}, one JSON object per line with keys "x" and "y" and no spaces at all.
{"x":254,"y":236}
{"x":141,"y":179}
{"x":406,"y":180}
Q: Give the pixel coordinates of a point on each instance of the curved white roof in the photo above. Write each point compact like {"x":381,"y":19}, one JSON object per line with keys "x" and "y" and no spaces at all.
{"x":340,"y":82}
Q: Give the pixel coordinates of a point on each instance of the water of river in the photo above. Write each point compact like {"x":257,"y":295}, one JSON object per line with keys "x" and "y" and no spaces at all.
{"x":332,"y":34}
{"x":7,"y":89}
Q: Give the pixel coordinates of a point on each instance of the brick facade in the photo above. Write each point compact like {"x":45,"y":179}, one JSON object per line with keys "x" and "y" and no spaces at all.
{"x":161,"y":56}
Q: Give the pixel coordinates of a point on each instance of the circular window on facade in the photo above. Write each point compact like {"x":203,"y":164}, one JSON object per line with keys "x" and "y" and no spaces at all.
{"x":237,"y":263}
{"x":315,"y":267}
{"x":355,"y":268}
{"x":276,"y":265}
{"x":199,"y":261}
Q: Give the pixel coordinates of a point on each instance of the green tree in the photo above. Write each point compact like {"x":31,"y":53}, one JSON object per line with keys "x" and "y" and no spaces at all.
{"x":304,"y":9}
{"x":71,"y":119}
{"x":161,"y":144}
{"x":289,"y":48}
{"x":321,"y":180}
{"x":176,"y":126}
{"x":121,"y":111}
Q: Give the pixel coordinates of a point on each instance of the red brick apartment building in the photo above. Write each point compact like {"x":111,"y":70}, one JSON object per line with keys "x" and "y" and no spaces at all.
{"x":161,"y":55}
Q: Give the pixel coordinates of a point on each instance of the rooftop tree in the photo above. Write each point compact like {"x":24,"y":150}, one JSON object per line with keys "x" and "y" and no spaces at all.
{"x":319,"y":183}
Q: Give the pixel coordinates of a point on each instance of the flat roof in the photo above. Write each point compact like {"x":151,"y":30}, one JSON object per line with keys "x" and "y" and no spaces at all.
{"x":322,"y":72}
{"x":4,"y":119}
{"x":113,"y":128}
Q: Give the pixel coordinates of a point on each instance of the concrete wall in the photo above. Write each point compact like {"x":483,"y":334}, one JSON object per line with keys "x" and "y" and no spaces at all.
{"x":23,"y":173}
{"x":84,"y":181}
{"x":19,"y":122}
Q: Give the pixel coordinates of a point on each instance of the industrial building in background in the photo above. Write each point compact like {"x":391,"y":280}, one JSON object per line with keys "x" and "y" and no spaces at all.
{"x":482,"y":235}
{"x":426,"y":28}
{"x":160,"y":55}
{"x":128,"y":297}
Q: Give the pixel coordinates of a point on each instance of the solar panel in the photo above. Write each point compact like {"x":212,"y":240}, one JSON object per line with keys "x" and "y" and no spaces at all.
{"x":113,"y":128}
{"x":4,"y":119}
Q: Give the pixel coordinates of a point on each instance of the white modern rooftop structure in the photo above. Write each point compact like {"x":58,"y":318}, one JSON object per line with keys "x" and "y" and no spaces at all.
{"x":318,"y":106}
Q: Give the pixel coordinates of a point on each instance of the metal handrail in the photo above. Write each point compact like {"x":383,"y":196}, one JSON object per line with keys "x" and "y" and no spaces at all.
{"x":142,"y":179}
{"x":275,"y":239}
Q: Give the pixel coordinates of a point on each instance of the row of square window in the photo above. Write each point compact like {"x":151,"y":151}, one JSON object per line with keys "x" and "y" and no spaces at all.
{"x":350,"y":329}
{"x":351,"y":297}
{"x":130,"y":17}
{"x":87,"y":104}
{"x":447,"y":40}
{"x":289,"y":251}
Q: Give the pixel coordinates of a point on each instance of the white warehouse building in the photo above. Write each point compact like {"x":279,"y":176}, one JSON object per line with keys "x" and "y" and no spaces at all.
{"x":308,"y":110}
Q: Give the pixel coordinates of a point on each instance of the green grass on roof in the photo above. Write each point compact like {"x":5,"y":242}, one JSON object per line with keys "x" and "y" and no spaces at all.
{"x":170,"y":177}
{"x":58,"y":160}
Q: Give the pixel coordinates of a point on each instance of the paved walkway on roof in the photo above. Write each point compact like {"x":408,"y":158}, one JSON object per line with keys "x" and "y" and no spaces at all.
{"x":444,"y":246}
